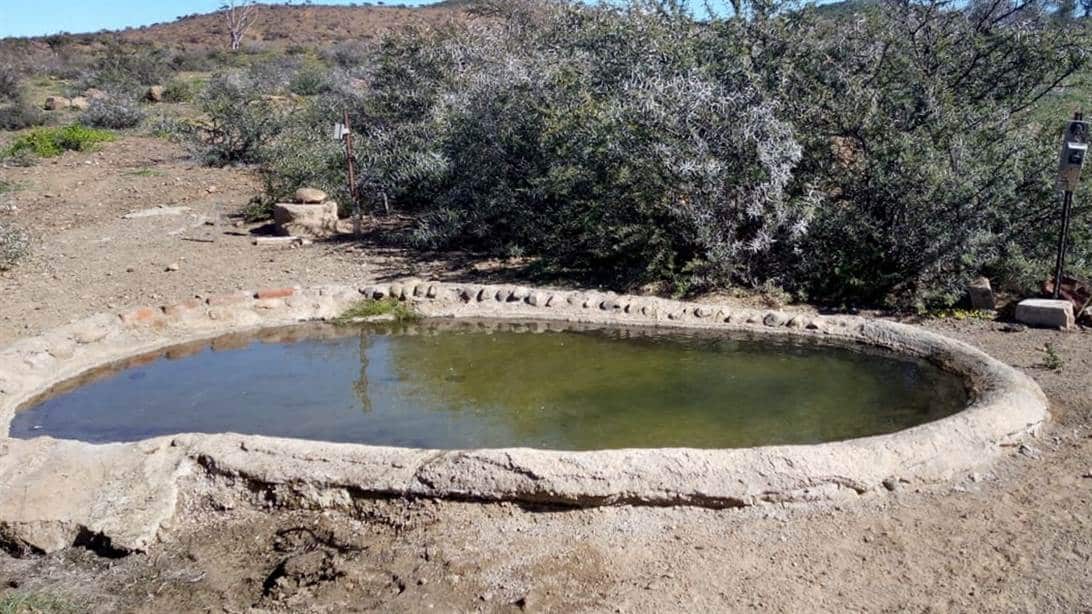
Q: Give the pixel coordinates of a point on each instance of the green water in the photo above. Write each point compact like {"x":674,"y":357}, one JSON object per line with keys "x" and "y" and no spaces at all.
{"x":479,"y":385}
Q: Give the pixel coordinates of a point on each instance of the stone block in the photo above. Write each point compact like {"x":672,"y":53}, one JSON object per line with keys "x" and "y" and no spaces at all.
{"x":1045,"y":313}
{"x":270,"y":293}
{"x":306,"y":220}
{"x":981,"y":294}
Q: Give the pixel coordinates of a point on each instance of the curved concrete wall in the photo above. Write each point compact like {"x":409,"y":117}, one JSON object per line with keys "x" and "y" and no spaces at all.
{"x":54,"y":493}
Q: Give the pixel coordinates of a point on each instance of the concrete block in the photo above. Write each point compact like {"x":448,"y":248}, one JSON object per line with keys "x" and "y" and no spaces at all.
{"x":1045,"y":313}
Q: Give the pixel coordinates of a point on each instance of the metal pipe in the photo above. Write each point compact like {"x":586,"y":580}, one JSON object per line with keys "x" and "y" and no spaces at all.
{"x":1067,"y":204}
{"x":352,"y":177}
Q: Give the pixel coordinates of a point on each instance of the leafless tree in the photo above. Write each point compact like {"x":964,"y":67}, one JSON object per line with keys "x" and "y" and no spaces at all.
{"x":239,"y":16}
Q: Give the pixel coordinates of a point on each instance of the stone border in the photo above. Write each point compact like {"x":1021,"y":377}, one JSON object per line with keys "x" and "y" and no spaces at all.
{"x":119,"y":497}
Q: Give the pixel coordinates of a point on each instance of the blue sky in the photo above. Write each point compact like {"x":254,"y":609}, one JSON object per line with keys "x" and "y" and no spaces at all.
{"x":37,"y":17}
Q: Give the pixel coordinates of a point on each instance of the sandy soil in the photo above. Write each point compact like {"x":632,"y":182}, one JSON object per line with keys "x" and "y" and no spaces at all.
{"x":1018,"y":538}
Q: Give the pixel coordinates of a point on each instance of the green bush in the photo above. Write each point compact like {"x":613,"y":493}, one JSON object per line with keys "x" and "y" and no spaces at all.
{"x":117,"y":112}
{"x":49,"y":142}
{"x":16,"y":113}
{"x":242,"y":119}
{"x":178,"y":90}
{"x":309,"y":80}
{"x":882,"y":156}
{"x":128,"y":67}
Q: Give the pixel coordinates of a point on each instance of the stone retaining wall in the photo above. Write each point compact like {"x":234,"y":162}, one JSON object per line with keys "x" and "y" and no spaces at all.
{"x":121,"y":496}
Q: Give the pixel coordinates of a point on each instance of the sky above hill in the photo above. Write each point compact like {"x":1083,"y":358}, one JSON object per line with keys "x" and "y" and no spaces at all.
{"x":38,"y":17}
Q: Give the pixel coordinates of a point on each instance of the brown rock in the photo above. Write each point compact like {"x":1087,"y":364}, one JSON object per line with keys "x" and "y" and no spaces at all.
{"x":981,"y":294}
{"x":154,"y":94}
{"x":268,"y":293}
{"x":141,"y":315}
{"x":80,"y":103}
{"x":57,"y":103}
{"x":306,"y":220}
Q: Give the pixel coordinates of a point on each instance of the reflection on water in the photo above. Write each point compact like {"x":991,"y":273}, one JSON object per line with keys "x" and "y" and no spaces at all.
{"x":489,"y":385}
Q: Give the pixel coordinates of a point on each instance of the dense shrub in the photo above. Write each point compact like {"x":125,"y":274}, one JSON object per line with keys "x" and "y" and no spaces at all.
{"x":9,"y":83}
{"x":309,"y":79}
{"x":243,"y":117}
{"x":127,"y":67}
{"x":178,"y":90}
{"x":14,"y":245}
{"x":919,"y":130}
{"x":16,"y":112}
{"x":49,"y":142}
{"x":116,"y":112}
{"x":882,"y":156}
{"x":20,"y":114}
{"x":346,"y":54}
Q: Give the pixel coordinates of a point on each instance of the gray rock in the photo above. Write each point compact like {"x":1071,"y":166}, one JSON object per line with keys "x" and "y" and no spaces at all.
{"x":774,"y":318}
{"x":981,"y":294}
{"x":309,"y":196}
{"x":1046,"y":313}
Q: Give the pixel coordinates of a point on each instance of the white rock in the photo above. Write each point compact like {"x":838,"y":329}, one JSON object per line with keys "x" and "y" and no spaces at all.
{"x":309,"y":196}
{"x":1045,"y":313}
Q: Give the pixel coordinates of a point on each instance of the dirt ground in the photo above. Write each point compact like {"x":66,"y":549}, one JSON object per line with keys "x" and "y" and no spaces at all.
{"x":1017,"y":538}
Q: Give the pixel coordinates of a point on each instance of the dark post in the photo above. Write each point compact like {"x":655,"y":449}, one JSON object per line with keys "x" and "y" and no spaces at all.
{"x":1074,"y":146}
{"x":1067,"y":203}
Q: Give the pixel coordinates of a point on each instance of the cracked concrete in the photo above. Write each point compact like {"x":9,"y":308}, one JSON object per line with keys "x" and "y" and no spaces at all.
{"x":122,"y":497}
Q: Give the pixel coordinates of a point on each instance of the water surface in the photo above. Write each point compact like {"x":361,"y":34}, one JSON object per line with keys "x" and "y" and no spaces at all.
{"x":488,"y":385}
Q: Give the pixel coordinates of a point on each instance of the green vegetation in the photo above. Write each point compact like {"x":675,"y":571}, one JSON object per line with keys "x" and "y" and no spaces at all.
{"x":1051,"y":359}
{"x":49,"y":142}
{"x":629,"y":146}
{"x":833,"y":153}
{"x":962,"y":314}
{"x":20,"y":602}
{"x":369,"y":308}
{"x":179,"y":90}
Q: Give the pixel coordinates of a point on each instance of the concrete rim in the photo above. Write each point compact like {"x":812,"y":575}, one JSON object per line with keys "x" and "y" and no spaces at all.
{"x":54,"y":493}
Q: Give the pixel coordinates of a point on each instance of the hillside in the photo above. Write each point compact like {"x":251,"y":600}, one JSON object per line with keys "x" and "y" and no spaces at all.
{"x":286,"y":25}
{"x":278,"y":26}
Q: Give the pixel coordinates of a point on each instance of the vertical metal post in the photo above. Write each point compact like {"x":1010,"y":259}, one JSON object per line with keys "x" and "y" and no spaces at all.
{"x":352,"y":175}
{"x":1067,"y":204}
{"x":1074,"y":145}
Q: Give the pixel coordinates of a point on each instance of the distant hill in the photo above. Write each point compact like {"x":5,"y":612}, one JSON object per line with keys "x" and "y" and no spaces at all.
{"x":278,"y":26}
{"x":286,"y":25}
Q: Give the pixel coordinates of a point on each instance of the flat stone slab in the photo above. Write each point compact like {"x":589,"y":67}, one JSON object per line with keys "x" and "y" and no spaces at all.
{"x":1045,"y":313}
{"x":155,"y":212}
{"x":120,"y":497}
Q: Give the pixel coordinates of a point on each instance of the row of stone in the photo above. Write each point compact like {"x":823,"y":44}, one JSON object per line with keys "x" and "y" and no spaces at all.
{"x":649,"y":307}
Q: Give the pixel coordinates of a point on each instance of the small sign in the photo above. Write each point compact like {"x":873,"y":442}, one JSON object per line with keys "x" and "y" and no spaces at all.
{"x":1074,"y":149}
{"x":340,"y":131}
